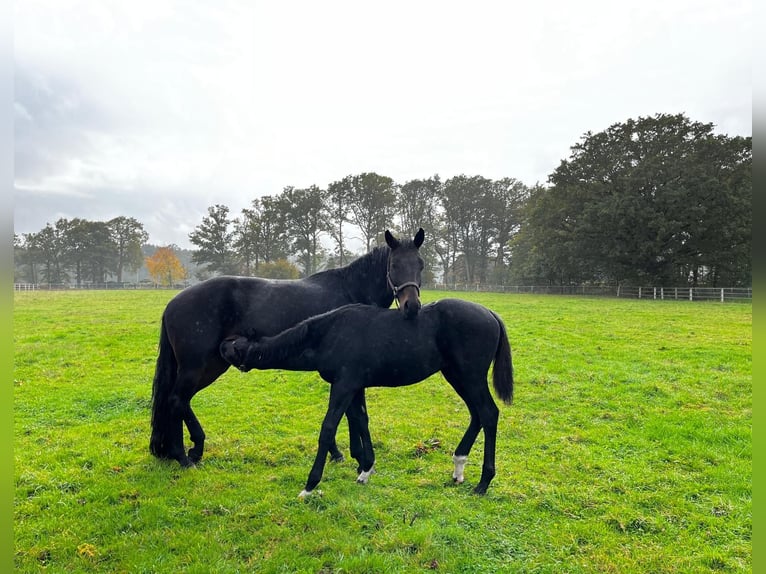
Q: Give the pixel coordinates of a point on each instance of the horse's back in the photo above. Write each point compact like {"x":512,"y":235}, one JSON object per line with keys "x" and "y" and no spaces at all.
{"x":200,"y":316}
{"x":466,"y":329}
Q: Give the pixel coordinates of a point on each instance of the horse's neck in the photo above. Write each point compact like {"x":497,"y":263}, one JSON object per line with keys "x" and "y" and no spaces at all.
{"x":290,"y":350}
{"x":365,"y":279}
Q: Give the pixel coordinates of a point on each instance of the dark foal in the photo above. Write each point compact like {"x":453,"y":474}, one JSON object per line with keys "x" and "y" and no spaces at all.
{"x":359,"y":346}
{"x":197,"y":319}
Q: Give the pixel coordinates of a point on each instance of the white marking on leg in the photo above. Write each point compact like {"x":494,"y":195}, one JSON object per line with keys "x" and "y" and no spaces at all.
{"x":459,"y":461}
{"x":365,"y":476}
{"x":305,"y":493}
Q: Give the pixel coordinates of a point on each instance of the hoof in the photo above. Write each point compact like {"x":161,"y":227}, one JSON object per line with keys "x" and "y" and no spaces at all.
{"x":460,"y":461}
{"x":364,"y":477}
{"x":187,"y":463}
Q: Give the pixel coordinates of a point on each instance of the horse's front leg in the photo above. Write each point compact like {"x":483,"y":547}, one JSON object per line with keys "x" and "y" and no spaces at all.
{"x":362,"y":449}
{"x":340,"y":399}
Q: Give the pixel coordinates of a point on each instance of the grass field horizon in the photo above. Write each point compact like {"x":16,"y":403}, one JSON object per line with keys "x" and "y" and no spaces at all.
{"x":628,"y":449}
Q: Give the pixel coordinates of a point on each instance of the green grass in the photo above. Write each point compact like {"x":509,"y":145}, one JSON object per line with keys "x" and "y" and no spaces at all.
{"x":628,"y":449}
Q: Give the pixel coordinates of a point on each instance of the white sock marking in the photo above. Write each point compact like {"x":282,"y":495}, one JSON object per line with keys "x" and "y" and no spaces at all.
{"x":459,"y":461}
{"x":305,"y":493}
{"x":365,"y":476}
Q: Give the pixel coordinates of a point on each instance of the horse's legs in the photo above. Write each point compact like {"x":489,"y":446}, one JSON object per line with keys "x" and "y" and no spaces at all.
{"x":340,"y":399}
{"x":175,"y":438}
{"x":361,"y":449}
{"x":484,"y":414}
{"x":489,"y":415}
{"x":190,"y":382}
{"x":196,"y":434}
{"x":465,"y":445}
{"x":335,"y":454}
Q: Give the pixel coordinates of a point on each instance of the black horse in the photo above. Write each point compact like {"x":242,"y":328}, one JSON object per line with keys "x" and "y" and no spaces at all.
{"x":359,"y":346}
{"x":197,"y":319}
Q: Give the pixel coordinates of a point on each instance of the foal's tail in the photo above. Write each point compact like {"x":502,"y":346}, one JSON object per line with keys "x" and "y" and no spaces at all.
{"x":502,"y":371}
{"x":164,"y":380}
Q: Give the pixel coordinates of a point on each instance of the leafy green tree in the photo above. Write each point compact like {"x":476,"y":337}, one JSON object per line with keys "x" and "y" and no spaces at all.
{"x":101,"y":255}
{"x":371,"y":200}
{"x":508,"y":198}
{"x":417,"y":206}
{"x":47,"y":248}
{"x":337,"y":201}
{"x":468,"y":213}
{"x":246,"y":238}
{"x":279,"y":269}
{"x":90,"y":250}
{"x":647,"y":200}
{"x":214,"y":238}
{"x":306,"y":216}
{"x":128,"y":235}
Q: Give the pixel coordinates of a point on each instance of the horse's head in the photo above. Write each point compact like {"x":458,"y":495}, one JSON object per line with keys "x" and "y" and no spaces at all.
{"x":236,"y":349}
{"x":405,"y":266}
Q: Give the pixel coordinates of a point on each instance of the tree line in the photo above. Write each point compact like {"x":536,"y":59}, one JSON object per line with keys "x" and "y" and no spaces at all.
{"x":80,"y":251}
{"x":658,"y":200}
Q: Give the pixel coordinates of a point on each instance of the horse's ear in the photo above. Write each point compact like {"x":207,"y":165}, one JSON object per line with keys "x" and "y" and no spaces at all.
{"x":392,"y":241}
{"x":419,"y":237}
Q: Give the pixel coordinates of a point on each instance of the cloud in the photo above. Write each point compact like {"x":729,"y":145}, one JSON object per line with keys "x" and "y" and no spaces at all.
{"x":159,"y":109}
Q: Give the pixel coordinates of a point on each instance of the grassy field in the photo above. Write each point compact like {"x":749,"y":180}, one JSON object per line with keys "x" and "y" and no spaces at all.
{"x":627,"y":449}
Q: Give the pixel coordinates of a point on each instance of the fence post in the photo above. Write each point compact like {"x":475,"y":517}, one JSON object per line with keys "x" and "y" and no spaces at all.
{"x":691,"y":293}
{"x":722,"y":298}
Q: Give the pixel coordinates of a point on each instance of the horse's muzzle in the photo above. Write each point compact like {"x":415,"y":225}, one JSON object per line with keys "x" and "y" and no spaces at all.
{"x":409,"y":304}
{"x":233,"y":350}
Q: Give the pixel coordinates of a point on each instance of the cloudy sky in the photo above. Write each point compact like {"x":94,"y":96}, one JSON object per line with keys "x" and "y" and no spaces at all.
{"x":158,"y":109}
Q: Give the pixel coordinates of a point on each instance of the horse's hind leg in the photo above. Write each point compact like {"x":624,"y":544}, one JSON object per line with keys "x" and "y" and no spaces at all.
{"x":484,"y":415}
{"x":196,"y":434}
{"x":460,"y":457}
{"x":175,"y":435}
{"x":212,"y":371}
{"x":489,"y":415}
{"x":335,"y":454}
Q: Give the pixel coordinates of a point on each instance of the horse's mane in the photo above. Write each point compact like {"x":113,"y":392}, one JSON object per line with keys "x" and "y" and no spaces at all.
{"x":371,"y":261}
{"x":367,"y":275}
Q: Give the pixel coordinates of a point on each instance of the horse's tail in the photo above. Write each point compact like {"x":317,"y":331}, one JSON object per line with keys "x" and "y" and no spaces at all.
{"x":164,"y":380}
{"x":502,"y":371}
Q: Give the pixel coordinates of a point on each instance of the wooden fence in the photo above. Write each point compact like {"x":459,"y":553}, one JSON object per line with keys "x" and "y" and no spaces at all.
{"x":722,"y":294}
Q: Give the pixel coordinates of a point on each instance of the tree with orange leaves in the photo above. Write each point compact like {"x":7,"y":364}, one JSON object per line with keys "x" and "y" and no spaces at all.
{"x":165,"y":268}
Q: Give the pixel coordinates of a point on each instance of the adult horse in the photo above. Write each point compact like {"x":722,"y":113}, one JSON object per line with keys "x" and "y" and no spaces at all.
{"x":358,"y":346}
{"x":197,"y":319}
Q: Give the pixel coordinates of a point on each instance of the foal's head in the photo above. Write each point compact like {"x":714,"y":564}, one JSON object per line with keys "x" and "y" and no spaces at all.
{"x":405,"y":266}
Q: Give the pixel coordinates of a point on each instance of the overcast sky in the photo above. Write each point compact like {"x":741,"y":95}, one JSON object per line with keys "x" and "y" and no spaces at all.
{"x":159,"y":109}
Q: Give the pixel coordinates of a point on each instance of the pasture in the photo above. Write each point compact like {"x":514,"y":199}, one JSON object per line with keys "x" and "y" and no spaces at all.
{"x":628,"y":449}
